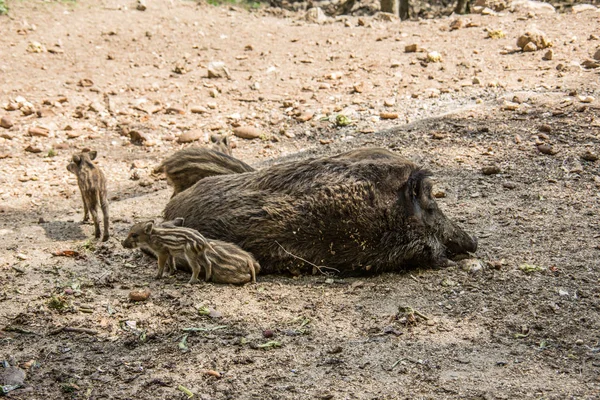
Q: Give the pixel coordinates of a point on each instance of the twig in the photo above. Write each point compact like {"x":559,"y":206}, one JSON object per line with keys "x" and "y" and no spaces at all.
{"x":414,"y":278}
{"x":308,"y":262}
{"x":214,"y":328}
{"x":185,"y":390}
{"x":75,"y":330}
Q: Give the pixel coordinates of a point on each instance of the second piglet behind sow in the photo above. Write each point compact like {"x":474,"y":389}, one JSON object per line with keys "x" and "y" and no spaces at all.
{"x":92,"y":184}
{"x":222,"y":262}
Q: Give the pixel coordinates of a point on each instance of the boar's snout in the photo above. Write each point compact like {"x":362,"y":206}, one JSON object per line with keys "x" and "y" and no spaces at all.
{"x":127,"y":244}
{"x":459,"y":242}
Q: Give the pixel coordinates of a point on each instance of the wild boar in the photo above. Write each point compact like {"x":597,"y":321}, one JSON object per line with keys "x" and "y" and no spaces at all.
{"x":186,"y":167}
{"x":92,"y":185}
{"x":365,"y":210}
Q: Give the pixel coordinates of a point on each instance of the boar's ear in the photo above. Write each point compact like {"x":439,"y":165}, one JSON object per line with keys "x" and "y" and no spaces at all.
{"x":178,"y":221}
{"x":225,"y":141}
{"x":76,"y":159}
{"x":148,"y":227}
{"x":71,"y":167}
{"x":93,"y":154}
{"x":415,"y":182}
{"x":412,"y":191}
{"x":214,"y":138}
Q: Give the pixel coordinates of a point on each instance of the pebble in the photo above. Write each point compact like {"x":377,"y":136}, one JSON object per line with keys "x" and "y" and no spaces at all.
{"x":198,"y":110}
{"x":32,"y":149}
{"x":12,"y":376}
{"x":316,"y":15}
{"x":268,"y":333}
{"x":589,"y":156}
{"x":597,"y":55}
{"x":139,"y":295}
{"x":439,"y":194}
{"x":141,"y":5}
{"x":545,"y":128}
{"x":389,"y":102}
{"x":471,"y":265}
{"x":190,"y":136}
{"x":39,"y":131}
{"x":305,"y":117}
{"x":411,"y":48}
{"x":586,"y":99}
{"x":509,"y":105}
{"x":537,"y":37}
{"x":388,"y":115}
{"x":549,"y":55}
{"x":547,"y":149}
{"x":6,"y":122}
{"x":434,"y":57}
{"x":247,"y":132}
{"x":217,"y":69}
{"x":530,"y":47}
{"x":490,"y":170}
{"x":509,"y":185}
{"x":590,"y":64}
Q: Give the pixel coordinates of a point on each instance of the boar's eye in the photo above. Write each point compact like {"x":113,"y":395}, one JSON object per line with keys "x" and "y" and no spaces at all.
{"x":134,"y":235}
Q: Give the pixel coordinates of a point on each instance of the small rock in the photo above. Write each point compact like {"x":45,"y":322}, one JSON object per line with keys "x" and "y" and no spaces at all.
{"x":530,"y":47}
{"x":85,"y":82}
{"x":471,"y":265}
{"x":316,"y":15}
{"x":549,"y":55}
{"x":306,"y":116}
{"x":589,"y":156}
{"x":388,"y":115}
{"x":509,"y":185}
{"x":476,"y":81}
{"x":12,"y":376}
{"x":268,"y":333}
{"x":175,"y":110}
{"x":190,"y":136}
{"x":198,"y":110}
{"x":32,"y":149}
{"x":545,"y":128}
{"x":6,"y":122}
{"x":36,"y":47}
{"x":547,"y":149}
{"x":73,"y":134}
{"x":359,"y":87}
{"x":247,"y":132}
{"x":590,"y":64}
{"x":217,"y":69}
{"x":389,"y":102}
{"x":39,"y":131}
{"x":509,"y":105}
{"x":438,"y":135}
{"x":439,"y":194}
{"x":411,"y":48}
{"x":586,"y":99}
{"x":496,"y":34}
{"x":138,"y":137}
{"x":537,"y":37}
{"x":597,"y":55}
{"x":490,"y":170}
{"x":214,"y":314}
{"x":457,"y":24}
{"x":139,"y":295}
{"x":434,"y":57}
{"x":141,"y":5}
{"x":582,"y":8}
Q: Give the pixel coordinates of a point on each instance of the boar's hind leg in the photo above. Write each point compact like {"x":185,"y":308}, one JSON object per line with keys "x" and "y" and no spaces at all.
{"x":104,"y":206}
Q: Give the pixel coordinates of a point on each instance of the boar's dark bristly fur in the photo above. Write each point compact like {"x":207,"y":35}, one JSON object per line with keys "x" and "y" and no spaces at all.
{"x":186,"y":167}
{"x":367,"y":209}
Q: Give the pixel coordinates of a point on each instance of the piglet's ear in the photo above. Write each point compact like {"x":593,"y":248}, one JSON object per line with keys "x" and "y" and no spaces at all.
{"x":178,"y":221}
{"x":76,"y":159}
{"x":148,"y":227}
{"x":93,"y":155}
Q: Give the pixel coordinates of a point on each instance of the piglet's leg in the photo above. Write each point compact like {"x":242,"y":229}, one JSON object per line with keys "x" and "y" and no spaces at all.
{"x":162,"y":259}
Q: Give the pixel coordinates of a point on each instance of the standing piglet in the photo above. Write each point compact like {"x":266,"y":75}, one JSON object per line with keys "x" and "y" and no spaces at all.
{"x":92,"y":185}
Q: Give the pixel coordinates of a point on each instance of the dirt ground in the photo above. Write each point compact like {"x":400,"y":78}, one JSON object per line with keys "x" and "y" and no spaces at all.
{"x":524,"y":323}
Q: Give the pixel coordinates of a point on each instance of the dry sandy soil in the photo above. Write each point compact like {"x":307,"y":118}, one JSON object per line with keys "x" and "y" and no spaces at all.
{"x":524,"y":325}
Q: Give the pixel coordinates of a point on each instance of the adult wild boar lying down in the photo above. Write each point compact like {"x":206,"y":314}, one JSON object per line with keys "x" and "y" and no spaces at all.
{"x":367,"y":209}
